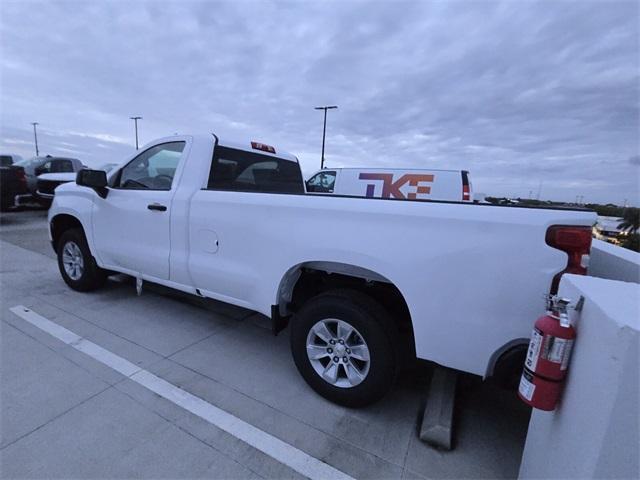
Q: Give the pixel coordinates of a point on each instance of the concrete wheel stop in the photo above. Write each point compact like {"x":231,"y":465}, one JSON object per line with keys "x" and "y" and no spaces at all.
{"x":437,"y":422}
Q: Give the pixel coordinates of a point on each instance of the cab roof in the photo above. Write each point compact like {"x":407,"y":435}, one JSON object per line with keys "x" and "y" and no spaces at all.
{"x":254,"y":146}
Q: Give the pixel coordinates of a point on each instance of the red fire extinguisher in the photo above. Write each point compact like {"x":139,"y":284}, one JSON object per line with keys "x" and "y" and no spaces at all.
{"x":545,"y":365}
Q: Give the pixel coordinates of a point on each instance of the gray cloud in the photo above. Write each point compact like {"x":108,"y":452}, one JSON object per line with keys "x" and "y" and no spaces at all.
{"x":520,"y":93}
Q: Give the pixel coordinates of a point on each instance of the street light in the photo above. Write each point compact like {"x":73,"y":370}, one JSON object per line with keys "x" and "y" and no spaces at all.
{"x":135,"y":120}
{"x":324,"y":129}
{"x":35,"y":136}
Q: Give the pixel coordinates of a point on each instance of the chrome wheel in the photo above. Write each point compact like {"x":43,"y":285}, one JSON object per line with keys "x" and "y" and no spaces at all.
{"x":72,"y":260}
{"x":338,"y":353}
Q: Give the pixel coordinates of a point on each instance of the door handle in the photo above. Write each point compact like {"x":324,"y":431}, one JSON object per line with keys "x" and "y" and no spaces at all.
{"x":157,"y":206}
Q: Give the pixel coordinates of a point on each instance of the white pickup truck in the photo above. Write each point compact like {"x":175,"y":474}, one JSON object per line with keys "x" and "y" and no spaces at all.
{"x":364,"y":284}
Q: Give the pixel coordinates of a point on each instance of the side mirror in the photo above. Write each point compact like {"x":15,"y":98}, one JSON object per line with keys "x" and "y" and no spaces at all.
{"x":95,"y":179}
{"x":310,"y":188}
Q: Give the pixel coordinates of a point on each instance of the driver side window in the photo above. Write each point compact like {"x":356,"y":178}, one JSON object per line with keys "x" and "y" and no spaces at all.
{"x":322,"y":182}
{"x":61,"y":166}
{"x":153,"y":169}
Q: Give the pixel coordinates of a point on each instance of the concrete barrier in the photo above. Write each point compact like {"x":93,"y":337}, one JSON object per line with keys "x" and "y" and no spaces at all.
{"x":613,"y":262}
{"x":594,"y":433}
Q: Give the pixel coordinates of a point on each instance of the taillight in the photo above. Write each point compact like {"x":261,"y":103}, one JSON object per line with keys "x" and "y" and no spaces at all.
{"x":576,"y":242}
{"x":466,"y":188}
{"x":22,"y":178}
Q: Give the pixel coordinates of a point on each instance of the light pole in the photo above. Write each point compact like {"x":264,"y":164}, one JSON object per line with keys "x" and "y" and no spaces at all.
{"x":135,"y":120}
{"x":324,"y":129}
{"x":35,"y":136}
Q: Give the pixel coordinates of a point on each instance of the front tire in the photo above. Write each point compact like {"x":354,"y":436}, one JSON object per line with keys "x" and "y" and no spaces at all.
{"x":344,"y":345}
{"x":77,"y":266}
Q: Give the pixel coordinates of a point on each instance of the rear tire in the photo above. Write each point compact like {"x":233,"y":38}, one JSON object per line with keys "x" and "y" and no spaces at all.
{"x":77,"y":266}
{"x":349,"y":380}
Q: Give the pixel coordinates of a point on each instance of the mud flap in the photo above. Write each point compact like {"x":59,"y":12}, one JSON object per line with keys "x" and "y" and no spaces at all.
{"x":278,"y":322}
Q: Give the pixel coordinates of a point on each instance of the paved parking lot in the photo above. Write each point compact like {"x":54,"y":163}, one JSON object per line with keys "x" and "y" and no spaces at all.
{"x":65,"y":414}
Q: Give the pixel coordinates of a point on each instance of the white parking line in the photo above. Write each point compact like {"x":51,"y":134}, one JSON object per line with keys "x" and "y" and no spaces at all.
{"x":283,"y":452}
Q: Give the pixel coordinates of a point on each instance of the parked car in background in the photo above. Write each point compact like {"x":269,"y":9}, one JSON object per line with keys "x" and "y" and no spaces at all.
{"x":36,"y":166}
{"x":7,"y":159}
{"x":48,"y":182}
{"x":608,"y":229}
{"x":450,"y":185}
{"x":12,"y":183}
{"x":365,"y":285}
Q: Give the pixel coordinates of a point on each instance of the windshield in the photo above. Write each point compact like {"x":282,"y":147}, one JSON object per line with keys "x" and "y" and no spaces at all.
{"x":28,"y":161}
{"x":107,"y":167}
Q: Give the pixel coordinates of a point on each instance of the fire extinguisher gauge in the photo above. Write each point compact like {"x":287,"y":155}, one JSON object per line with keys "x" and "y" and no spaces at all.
{"x":558,"y":307}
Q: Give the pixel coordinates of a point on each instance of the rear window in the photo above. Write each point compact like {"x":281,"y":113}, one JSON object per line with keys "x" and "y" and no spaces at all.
{"x":243,"y":171}
{"x":6,"y":160}
{"x":61,"y":166}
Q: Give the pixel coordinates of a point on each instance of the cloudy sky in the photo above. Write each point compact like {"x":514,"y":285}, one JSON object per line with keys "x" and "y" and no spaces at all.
{"x":525,"y":95}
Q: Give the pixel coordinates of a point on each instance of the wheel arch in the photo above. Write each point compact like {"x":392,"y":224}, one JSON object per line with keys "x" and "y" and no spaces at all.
{"x":60,"y":223}
{"x":292,"y":276}
{"x":506,"y":355}
{"x":311,"y":278}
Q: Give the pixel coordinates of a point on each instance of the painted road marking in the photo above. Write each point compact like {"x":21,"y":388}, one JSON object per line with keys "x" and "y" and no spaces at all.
{"x":277,"y":449}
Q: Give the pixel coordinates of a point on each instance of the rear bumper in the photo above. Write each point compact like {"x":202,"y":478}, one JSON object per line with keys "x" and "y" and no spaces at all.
{"x":46,"y":196}
{"x":22,"y":198}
